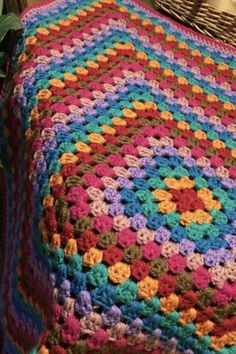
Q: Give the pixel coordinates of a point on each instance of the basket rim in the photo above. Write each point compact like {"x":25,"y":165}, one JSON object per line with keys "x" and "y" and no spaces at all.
{"x":203,"y":17}
{"x":203,"y":22}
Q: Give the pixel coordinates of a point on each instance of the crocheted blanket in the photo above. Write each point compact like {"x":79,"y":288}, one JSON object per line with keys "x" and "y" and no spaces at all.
{"x":120,"y":201}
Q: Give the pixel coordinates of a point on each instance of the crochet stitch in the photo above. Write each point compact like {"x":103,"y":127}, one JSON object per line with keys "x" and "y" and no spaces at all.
{"x":120,"y":203}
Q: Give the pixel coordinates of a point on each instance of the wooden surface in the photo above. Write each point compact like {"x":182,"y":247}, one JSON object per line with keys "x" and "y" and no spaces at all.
{"x":224,"y":5}
{"x":16,"y":6}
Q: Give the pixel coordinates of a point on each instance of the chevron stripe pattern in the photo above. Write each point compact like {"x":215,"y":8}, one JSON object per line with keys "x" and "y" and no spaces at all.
{"x":120,"y":227}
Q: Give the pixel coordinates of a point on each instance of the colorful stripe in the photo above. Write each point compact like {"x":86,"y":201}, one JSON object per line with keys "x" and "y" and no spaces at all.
{"x":120,"y":229}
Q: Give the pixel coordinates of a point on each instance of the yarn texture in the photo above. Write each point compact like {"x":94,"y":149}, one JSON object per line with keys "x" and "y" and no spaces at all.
{"x":120,"y":204}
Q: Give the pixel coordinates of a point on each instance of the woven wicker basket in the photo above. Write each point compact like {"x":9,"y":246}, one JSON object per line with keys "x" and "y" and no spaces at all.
{"x":203,"y":17}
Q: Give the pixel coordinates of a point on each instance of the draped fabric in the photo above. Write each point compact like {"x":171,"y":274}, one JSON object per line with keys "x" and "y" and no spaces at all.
{"x":120,"y":201}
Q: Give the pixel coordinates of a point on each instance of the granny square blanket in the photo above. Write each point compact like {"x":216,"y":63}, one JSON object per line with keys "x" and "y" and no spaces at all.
{"x":120,"y":201}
